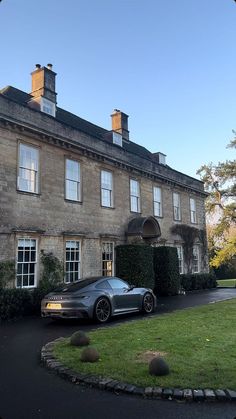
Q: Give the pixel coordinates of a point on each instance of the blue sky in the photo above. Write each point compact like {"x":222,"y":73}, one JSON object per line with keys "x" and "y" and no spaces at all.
{"x":170,"y":65}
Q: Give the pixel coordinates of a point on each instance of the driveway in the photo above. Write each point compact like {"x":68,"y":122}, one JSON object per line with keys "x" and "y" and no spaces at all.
{"x":29,"y":391}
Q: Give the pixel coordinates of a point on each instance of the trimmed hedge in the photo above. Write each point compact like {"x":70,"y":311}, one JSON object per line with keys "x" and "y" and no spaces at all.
{"x":192,"y":282}
{"x":166,"y":270}
{"x":15,"y":303}
{"x":134,"y":264}
{"x":20,"y":302}
{"x":226,"y":271}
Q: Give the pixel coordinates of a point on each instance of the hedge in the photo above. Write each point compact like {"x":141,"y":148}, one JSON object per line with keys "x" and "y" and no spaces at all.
{"x":166,"y":270}
{"x":134,"y":264}
{"x":20,"y":302}
{"x":14,"y":303}
{"x":190,"y":282}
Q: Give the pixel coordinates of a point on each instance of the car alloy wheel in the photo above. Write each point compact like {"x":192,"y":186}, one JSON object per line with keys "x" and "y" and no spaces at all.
{"x":102,"y":310}
{"x":148,"y":303}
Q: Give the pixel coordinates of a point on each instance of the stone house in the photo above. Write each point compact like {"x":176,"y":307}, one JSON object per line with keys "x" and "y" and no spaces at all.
{"x":77,"y":190}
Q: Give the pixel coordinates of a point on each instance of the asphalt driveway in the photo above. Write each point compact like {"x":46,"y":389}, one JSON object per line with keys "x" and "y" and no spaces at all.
{"x":29,"y":391}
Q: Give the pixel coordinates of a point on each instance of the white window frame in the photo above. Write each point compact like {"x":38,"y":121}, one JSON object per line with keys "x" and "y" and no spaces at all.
{"x":24,"y":263}
{"x":134,"y":195}
{"x":180,"y":258}
{"x":48,"y":107}
{"x":73,"y":181}
{"x":106,"y":189}
{"x":193,"y":213}
{"x":157,"y":201}
{"x":176,"y":206}
{"x":196,"y":260}
{"x":108,"y":251}
{"x":29,"y":167}
{"x":72,"y":264}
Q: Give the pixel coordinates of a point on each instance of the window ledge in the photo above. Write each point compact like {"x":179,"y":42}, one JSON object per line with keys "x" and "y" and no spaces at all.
{"x":110,"y":208}
{"x":28,"y":193}
{"x":71,"y":201}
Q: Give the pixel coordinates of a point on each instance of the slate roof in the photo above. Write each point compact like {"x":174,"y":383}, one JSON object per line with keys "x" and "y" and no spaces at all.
{"x":76,"y":122}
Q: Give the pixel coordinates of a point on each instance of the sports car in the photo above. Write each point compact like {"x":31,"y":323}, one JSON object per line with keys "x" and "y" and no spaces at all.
{"x":98,"y":298}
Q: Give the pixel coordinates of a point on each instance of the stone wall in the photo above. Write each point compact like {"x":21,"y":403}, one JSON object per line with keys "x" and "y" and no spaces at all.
{"x":52,"y":218}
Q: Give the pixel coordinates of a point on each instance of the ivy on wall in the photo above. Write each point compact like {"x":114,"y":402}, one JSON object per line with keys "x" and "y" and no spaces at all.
{"x":189,"y":234}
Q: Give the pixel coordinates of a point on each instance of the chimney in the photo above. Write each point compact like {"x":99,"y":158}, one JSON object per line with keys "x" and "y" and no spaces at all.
{"x":44,"y":83}
{"x":120,"y":123}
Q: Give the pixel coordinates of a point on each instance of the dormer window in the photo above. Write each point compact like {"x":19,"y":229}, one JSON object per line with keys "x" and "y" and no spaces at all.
{"x":162,"y":158}
{"x":117,"y":138}
{"x":48,"y":107}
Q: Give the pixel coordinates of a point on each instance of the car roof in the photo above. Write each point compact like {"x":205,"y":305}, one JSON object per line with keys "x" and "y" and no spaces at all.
{"x":82,"y":283}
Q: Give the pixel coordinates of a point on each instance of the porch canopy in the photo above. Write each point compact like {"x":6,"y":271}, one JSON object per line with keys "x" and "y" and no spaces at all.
{"x":144,"y":227}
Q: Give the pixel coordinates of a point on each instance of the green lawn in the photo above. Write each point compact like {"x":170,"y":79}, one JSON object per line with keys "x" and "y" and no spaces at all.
{"x":226,"y":282}
{"x":199,"y":346}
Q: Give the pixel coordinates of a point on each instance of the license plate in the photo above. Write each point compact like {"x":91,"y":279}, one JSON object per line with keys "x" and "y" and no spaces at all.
{"x":53,"y":306}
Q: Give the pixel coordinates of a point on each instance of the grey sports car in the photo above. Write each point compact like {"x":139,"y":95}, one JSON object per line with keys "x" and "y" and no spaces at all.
{"x":98,"y":298}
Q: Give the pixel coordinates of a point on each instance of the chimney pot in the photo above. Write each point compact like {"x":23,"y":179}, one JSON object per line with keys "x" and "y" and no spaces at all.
{"x":49,"y":66}
{"x":37,"y":65}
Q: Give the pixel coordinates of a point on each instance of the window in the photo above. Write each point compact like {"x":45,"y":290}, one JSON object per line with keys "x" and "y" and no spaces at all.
{"x":176,"y":206}
{"x":72,"y":180}
{"x":48,"y":107}
{"x":117,"y":283}
{"x":195,"y":259}
{"x":106,"y":189}
{"x":28,"y":169}
{"x":107,"y":259}
{"x":193,"y":216}
{"x":134,"y":195}
{"x":26,"y":263}
{"x":157,"y":201}
{"x":181,"y":259}
{"x":117,"y":138}
{"x":103,"y":286}
{"x":72,"y":261}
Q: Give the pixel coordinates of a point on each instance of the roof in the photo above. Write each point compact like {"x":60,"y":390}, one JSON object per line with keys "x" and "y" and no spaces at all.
{"x":95,"y":131}
{"x":76,"y":122}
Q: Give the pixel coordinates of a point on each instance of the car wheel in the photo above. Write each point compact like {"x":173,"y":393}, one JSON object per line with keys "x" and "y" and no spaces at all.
{"x":102,"y":310}
{"x":148,"y":303}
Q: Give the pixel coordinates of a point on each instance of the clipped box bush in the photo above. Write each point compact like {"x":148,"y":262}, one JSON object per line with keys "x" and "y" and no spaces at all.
{"x":200,"y":281}
{"x":166,"y":270}
{"x":134,"y":264}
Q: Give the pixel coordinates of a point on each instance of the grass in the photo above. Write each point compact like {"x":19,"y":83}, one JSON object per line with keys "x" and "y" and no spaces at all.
{"x":226,"y":282}
{"x":199,"y":344}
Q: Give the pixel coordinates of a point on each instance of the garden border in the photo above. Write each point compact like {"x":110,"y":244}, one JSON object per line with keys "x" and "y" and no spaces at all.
{"x":197,"y":395}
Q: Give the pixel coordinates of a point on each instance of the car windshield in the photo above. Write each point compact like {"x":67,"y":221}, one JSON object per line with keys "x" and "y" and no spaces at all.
{"x":78,"y":285}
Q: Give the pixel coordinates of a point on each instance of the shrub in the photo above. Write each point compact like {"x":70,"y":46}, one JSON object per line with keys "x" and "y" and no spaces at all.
{"x":226,"y":271}
{"x":158,"y":366}
{"x":166,"y":270}
{"x":14,"y":303}
{"x":51,"y":278}
{"x":52,"y":274}
{"x":79,"y":339}
{"x":7,"y":272}
{"x":134,"y":264}
{"x":192,"y":282}
{"x":21,"y":302}
{"x":89,"y":355}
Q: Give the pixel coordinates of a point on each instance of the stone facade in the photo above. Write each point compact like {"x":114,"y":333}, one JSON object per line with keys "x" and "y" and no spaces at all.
{"x":52,"y":220}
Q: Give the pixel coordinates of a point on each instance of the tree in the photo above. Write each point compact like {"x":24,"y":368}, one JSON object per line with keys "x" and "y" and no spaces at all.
{"x":220,"y":182}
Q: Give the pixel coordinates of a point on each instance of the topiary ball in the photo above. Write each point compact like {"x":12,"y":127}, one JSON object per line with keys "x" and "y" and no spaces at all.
{"x":79,"y":339}
{"x":89,"y":355}
{"x":158,"y":366}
